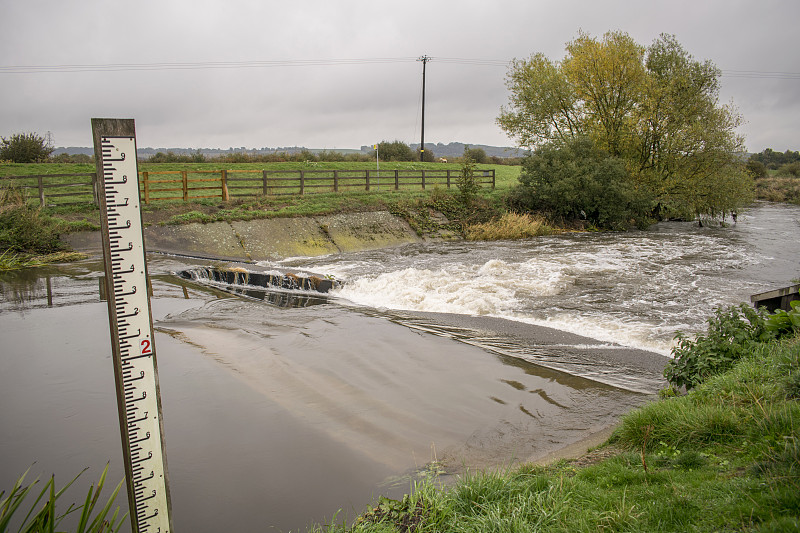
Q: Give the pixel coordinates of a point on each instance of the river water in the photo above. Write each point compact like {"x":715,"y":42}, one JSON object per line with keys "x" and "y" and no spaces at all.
{"x":283,"y":408}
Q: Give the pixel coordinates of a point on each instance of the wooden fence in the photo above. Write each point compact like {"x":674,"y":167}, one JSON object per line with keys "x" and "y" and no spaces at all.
{"x":188,"y":185}
{"x":68,"y":189}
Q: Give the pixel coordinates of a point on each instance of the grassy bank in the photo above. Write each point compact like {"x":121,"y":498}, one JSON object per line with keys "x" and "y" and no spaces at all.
{"x":418,"y":207}
{"x":248,"y":208}
{"x":29,"y":237}
{"x":725,"y":457}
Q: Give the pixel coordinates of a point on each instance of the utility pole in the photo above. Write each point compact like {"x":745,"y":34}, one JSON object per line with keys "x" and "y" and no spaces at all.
{"x":424,"y":60}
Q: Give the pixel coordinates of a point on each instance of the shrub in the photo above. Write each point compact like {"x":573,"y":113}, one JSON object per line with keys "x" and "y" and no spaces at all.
{"x":575,"y":180}
{"x":395,"y":151}
{"x":467,"y":183}
{"x":476,"y":154}
{"x":756,"y":169}
{"x":26,"y":229}
{"x":732,"y":333}
{"x":25,"y":148}
{"x":789,"y":169}
{"x":782,"y":323}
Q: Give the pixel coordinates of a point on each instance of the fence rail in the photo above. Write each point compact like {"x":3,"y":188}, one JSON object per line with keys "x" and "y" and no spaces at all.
{"x":190,"y":185}
{"x":74,"y":191}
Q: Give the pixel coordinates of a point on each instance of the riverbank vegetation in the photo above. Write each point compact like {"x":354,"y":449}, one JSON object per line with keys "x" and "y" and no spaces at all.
{"x":43,"y":515}
{"x":724,"y":457}
{"x":777,"y":175}
{"x":29,"y":237}
{"x":644,"y":121}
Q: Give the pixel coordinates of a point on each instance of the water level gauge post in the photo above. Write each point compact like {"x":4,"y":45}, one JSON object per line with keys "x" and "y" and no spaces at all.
{"x":131,"y":325}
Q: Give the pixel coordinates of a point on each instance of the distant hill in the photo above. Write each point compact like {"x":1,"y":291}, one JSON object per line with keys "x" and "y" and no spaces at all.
{"x":453,"y":149}
{"x":456,"y":149}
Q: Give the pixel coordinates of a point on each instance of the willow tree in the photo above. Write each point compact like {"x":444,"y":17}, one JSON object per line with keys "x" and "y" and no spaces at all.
{"x":656,"y":108}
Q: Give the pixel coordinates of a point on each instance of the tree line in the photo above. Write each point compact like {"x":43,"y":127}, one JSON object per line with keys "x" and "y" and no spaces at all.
{"x":784,"y":163}
{"x":34,"y":148}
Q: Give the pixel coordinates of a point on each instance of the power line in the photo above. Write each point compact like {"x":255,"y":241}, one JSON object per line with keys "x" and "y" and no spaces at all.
{"x":118,"y":67}
{"x":205,"y":65}
{"x":761,"y":75}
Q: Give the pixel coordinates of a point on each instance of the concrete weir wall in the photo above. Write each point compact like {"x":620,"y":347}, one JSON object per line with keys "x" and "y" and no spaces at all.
{"x":279,"y":238}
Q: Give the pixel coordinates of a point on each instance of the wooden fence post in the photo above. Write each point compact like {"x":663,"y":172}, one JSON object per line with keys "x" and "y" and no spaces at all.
{"x":302,"y":182}
{"x":397,"y":180}
{"x":95,"y":197}
{"x":335,"y":181}
{"x":41,"y":190}
{"x":146,"y":180}
{"x":264,"y":176}
{"x":493,"y":179}
{"x":224,"y":180}
{"x":185,"y":179}
{"x":423,"y":180}
{"x":448,"y":178}
{"x":367,"y":180}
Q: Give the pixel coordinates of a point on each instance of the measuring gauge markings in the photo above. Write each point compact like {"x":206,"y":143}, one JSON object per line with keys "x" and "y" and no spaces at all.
{"x":135,"y":369}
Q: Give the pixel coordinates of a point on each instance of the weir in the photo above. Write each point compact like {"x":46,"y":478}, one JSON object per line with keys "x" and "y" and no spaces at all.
{"x":776,"y":299}
{"x":237,"y":276}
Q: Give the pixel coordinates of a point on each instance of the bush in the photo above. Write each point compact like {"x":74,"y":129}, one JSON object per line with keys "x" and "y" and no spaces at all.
{"x":477,"y":154}
{"x":467,"y":182}
{"x":395,"y":151}
{"x":25,"y":148}
{"x":575,"y":180}
{"x":756,"y":169}
{"x":25,"y":229}
{"x":789,"y":169}
{"x":732,"y":333}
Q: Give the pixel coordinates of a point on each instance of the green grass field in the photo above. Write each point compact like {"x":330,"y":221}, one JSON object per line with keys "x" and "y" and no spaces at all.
{"x":244,"y":179}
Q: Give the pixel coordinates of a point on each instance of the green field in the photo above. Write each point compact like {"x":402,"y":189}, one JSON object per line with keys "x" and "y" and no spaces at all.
{"x":245,"y":179}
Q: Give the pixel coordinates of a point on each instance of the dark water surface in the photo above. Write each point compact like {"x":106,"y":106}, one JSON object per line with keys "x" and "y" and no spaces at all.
{"x":282,"y":409}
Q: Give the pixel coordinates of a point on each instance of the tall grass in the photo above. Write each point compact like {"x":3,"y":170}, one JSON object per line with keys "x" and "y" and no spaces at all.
{"x":779,"y":189}
{"x":28,"y":237}
{"x":509,"y":226}
{"x":43,"y":516}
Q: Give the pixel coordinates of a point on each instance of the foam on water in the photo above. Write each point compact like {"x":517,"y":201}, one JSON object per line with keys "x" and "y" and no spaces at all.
{"x":636,"y":288}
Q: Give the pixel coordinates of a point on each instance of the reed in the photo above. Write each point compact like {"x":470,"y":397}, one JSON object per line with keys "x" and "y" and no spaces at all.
{"x":509,"y":226}
{"x":43,"y":515}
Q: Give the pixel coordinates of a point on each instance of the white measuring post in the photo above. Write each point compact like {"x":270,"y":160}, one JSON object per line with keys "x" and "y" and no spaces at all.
{"x":131,"y":321}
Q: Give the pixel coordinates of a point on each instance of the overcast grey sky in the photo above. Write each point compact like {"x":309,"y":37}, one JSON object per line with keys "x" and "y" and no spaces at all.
{"x":341,"y":74}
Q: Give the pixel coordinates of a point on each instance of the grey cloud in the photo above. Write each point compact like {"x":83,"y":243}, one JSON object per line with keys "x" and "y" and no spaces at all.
{"x":350,"y":105}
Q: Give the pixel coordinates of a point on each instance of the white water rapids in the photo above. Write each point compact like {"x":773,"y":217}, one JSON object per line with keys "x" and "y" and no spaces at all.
{"x":636,"y":289}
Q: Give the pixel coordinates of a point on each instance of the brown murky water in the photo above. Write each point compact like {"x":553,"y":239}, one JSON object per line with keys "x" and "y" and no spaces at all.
{"x":275,"y":416}
{"x":282,"y":409}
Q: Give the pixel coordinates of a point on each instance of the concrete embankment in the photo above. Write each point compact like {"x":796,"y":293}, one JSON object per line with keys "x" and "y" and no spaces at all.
{"x":270,"y":239}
